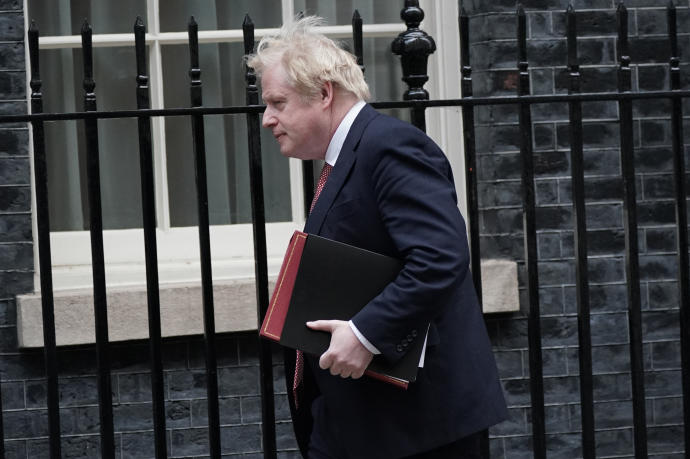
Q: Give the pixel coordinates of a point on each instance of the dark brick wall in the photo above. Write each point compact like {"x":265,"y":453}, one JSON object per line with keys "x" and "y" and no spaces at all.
{"x":493,"y":57}
{"x":25,"y":412}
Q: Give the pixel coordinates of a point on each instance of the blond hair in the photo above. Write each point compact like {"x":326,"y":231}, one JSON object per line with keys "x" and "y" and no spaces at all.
{"x":310,"y":59}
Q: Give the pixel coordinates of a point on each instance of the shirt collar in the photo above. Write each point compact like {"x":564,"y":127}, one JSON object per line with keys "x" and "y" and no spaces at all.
{"x":340,"y":134}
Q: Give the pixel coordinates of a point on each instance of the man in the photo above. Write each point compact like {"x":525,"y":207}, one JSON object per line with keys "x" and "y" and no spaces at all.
{"x":390,"y":190}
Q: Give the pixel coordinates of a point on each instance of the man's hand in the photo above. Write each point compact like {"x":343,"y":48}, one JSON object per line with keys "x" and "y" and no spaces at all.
{"x":346,"y":356}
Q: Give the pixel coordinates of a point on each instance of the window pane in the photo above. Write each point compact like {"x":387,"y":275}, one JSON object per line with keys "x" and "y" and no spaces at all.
{"x":65,"y":17}
{"x":114,"y":74}
{"x":222,"y":75}
{"x":340,"y":12}
{"x":218,"y":14}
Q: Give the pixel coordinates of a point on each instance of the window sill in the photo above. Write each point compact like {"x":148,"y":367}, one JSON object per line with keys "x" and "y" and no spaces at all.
{"x":181,"y":313}
{"x":181,"y":308}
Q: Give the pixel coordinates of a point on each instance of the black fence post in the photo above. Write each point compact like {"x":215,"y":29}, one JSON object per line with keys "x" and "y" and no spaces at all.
{"x":471,"y":192}
{"x":580,"y":237}
{"x":148,"y":207}
{"x":268,"y":429}
{"x":530,"y":234}
{"x":44,"y":261}
{"x":681,"y":220}
{"x":204,"y":244}
{"x":631,"y":245}
{"x":414,"y":47}
{"x":105,"y":397}
{"x":470,"y":153}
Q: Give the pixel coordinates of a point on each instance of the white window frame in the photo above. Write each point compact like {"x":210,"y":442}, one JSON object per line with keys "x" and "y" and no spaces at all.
{"x":231,"y":245}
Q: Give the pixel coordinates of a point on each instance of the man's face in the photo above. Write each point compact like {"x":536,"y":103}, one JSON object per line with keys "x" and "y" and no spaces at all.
{"x":300,"y":126}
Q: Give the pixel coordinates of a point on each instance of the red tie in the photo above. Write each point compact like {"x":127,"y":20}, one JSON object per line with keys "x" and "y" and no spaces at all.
{"x":299,"y":360}
{"x":325,"y":172}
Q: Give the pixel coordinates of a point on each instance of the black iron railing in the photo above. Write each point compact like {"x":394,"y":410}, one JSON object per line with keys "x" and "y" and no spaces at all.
{"x":148,"y":208}
{"x":581,"y":270}
{"x":414,"y":46}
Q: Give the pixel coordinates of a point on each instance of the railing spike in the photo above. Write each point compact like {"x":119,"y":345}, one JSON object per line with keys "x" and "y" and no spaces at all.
{"x":192,"y":22}
{"x":85,"y":27}
{"x":570,"y":9}
{"x":139,"y":22}
{"x":571,"y":32}
{"x":247,"y":21}
{"x":357,"y":42}
{"x":248,"y":39}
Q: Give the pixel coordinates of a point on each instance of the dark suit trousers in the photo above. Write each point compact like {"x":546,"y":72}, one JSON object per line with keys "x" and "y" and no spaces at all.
{"x":323,"y":445}
{"x":465,"y":448}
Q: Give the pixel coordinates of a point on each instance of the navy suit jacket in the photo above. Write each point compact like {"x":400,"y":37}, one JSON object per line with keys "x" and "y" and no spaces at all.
{"x":391,"y":191}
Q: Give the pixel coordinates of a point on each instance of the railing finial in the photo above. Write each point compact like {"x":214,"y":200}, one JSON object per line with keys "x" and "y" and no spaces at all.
{"x":87,"y":53}
{"x":35,"y":82}
{"x":248,"y":34}
{"x":357,"y":39}
{"x":571,"y":32}
{"x":414,"y":47}
{"x":247,"y":21}
{"x":249,"y":73}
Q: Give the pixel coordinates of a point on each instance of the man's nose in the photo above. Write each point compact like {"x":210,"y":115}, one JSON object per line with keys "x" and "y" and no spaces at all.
{"x":268,"y":119}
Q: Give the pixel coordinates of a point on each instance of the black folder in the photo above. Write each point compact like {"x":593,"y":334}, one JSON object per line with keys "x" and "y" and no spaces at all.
{"x":333,"y":281}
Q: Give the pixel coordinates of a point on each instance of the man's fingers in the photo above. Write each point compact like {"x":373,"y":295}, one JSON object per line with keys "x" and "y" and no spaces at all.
{"x":325,"y":361}
{"x":346,"y":356}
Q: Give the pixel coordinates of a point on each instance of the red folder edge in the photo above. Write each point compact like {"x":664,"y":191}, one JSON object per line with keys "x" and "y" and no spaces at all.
{"x":387,"y":379}
{"x":272,"y":327}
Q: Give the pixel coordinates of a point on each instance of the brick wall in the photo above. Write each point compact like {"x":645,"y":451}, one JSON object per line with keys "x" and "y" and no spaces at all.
{"x":493,"y":58}
{"x":25,"y":416}
{"x":493,"y":31}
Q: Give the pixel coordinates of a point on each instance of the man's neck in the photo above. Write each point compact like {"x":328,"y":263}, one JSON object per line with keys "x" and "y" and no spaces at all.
{"x":341,"y":132}
{"x":342,"y":104}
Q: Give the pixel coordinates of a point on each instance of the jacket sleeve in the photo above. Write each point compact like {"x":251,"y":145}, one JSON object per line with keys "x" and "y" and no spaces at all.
{"x":415,"y":196}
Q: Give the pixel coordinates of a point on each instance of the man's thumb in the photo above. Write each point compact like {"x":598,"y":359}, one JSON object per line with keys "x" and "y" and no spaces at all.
{"x":322,"y":325}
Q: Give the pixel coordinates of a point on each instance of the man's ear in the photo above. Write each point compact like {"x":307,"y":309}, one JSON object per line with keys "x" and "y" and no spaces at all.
{"x":327,"y":93}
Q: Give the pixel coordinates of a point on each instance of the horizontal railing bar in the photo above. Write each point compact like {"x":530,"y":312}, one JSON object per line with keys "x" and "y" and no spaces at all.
{"x":207,"y":36}
{"x":534,"y":99}
{"x":244,"y":109}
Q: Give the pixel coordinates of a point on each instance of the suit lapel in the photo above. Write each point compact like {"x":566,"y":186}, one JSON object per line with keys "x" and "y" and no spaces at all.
{"x":340,"y":171}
